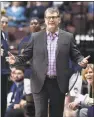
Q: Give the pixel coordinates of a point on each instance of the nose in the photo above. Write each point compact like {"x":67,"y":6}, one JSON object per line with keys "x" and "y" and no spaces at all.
{"x":4,"y":24}
{"x":51,"y":19}
{"x":33,"y":25}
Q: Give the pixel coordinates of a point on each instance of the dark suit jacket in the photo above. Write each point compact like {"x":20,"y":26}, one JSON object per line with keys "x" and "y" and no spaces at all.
{"x":37,"y":49}
{"x":4,"y":64}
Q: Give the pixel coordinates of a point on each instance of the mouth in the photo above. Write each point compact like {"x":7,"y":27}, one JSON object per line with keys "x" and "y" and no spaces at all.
{"x":89,"y":78}
{"x":51,"y":23}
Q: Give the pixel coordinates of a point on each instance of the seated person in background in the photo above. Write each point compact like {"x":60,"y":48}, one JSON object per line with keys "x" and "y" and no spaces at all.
{"x":38,"y":10}
{"x":29,"y":109}
{"x":75,"y":84}
{"x":15,"y":96}
{"x":87,"y":100}
{"x":16,"y":14}
{"x":91,"y":7}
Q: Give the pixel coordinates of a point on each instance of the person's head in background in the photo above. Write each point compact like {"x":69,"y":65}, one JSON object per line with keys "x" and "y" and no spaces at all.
{"x":52,"y":19}
{"x":19,"y":73}
{"x":88,"y":74}
{"x":16,"y":3}
{"x":35,"y":24}
{"x":4,"y":23}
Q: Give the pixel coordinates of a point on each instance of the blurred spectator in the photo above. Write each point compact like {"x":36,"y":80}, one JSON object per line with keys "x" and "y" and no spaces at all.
{"x":4,"y":65}
{"x":29,"y":109}
{"x":34,"y":26}
{"x":15,"y":96}
{"x":38,"y":10}
{"x":5,"y":4}
{"x":16,"y":13}
{"x":90,"y":18}
{"x":73,"y":90}
{"x":3,"y":11}
{"x":85,"y":101}
{"x":66,"y":16}
{"x":65,"y":7}
{"x":70,"y":28}
{"x":91,"y":7}
{"x":57,"y":4}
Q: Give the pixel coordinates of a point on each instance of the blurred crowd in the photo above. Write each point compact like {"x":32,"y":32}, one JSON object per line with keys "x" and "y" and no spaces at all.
{"x":73,"y":13}
{"x":77,"y":17}
{"x":20,"y":19}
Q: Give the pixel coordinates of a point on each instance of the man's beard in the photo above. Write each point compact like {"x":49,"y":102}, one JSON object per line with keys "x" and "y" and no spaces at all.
{"x":19,"y":80}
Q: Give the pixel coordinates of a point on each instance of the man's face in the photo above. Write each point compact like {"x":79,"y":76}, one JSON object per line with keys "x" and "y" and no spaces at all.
{"x":52,"y":21}
{"x":34,"y":26}
{"x":19,"y":75}
{"x":4,"y":23}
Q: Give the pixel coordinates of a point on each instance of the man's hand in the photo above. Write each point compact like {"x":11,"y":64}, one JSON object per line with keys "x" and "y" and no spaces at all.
{"x":2,"y":52}
{"x":22,"y":103}
{"x":17,"y":106}
{"x":11,"y":58}
{"x":84,"y":62}
{"x":73,"y":105}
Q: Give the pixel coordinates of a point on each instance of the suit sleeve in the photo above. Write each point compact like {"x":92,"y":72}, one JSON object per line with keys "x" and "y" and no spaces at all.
{"x":74,"y":51}
{"x":27,"y":53}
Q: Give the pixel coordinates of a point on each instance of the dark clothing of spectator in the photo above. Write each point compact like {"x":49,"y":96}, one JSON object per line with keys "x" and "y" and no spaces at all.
{"x":4,"y":45}
{"x":4,"y":73}
{"x":91,"y":111}
{"x":65,"y":7}
{"x":37,"y":11}
{"x":17,"y":95}
{"x":91,"y":7}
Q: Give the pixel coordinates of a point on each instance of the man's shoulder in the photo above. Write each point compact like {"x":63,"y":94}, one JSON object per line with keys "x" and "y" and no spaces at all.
{"x":38,"y":33}
{"x":66,"y":33}
{"x":27,"y":38}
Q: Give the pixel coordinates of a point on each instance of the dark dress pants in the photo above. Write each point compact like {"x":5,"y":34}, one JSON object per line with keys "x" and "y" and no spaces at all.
{"x":4,"y":81}
{"x":52,"y":92}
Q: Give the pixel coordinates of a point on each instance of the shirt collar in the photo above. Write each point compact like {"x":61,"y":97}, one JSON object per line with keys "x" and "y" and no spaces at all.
{"x":49,"y":33}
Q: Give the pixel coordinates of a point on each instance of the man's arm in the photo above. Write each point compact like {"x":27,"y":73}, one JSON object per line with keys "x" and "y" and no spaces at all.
{"x":25,"y":56}
{"x":76,"y":54}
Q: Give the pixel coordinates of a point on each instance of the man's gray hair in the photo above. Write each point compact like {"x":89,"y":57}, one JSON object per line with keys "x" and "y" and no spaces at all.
{"x":52,"y":10}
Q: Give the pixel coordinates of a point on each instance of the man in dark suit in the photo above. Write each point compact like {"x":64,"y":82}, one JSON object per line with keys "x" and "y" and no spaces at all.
{"x":50,"y":51}
{"x":4,"y":64}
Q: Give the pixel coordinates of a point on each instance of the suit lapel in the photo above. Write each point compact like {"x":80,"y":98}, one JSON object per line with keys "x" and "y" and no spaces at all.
{"x":44,"y":42}
{"x":59,"y":41}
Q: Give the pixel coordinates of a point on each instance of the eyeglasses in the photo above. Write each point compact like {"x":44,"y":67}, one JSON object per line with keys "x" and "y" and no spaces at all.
{"x":53,"y":17}
{"x":35,"y":23}
{"x":4,"y":22}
